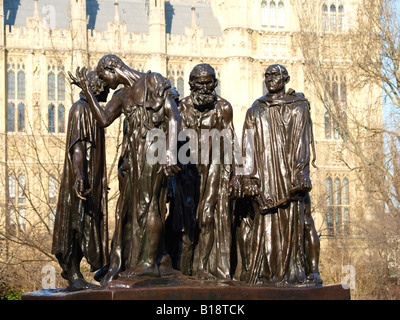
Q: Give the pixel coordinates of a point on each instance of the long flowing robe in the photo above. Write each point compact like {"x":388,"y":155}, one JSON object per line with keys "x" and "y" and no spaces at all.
{"x":86,"y":218}
{"x":282,"y":155}
{"x":141,"y":206}
{"x":140,"y":192}
{"x":201,"y":193}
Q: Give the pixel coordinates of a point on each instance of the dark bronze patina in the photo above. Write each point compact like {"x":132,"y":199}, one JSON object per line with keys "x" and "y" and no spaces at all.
{"x":252,"y":229}
{"x":80,"y":228}
{"x":137,"y":247}
{"x":277,"y":238}
{"x":200,"y":221}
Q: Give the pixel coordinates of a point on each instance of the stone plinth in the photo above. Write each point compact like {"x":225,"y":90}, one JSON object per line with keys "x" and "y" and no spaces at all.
{"x":187,"y":288}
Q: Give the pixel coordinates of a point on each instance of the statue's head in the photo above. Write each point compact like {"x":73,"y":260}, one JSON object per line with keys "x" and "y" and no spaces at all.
{"x":202,"y":81}
{"x":98,"y":86}
{"x":276,"y":77}
{"x":109,"y":68}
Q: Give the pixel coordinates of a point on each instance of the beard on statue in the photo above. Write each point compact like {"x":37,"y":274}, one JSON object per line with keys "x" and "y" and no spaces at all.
{"x":203,"y":97}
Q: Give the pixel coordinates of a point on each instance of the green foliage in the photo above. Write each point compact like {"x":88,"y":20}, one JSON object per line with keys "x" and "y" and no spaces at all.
{"x":7,"y":292}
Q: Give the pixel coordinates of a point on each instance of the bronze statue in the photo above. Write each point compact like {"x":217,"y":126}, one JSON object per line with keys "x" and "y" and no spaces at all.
{"x":199,"y":233}
{"x":146,"y":103}
{"x":80,"y":228}
{"x":283,"y":248}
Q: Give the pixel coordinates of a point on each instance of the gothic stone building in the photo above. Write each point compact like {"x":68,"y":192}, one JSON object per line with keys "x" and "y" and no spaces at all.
{"x":40,"y":40}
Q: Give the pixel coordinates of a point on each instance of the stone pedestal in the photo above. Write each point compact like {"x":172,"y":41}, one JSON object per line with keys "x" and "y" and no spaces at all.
{"x":187,"y":288}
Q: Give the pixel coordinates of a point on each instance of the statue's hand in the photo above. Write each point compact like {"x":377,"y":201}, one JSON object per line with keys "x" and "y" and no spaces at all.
{"x":80,"y":79}
{"x":250,"y":189}
{"x":169,"y":167}
{"x":300,"y":186}
{"x":235,"y":187}
{"x":80,"y":187}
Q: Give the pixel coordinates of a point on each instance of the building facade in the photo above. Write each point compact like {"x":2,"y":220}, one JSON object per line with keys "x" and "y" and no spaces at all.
{"x":41,"y":40}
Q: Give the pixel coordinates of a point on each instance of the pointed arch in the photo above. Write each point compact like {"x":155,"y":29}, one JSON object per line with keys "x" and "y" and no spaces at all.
{"x":264,"y":13}
{"x":281,"y":14}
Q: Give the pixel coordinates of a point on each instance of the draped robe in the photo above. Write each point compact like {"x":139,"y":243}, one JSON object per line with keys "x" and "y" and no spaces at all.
{"x":201,"y":193}
{"x":86,"y":218}
{"x":282,"y":155}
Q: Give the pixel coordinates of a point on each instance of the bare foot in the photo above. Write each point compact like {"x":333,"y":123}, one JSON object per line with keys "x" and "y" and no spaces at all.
{"x":79,"y":284}
{"x":165,"y":267}
{"x":146,"y":270}
{"x":204,"y":275}
{"x":314,"y":278}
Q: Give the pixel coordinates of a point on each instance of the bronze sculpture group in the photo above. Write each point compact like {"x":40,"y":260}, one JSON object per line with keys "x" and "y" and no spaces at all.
{"x":196,"y":212}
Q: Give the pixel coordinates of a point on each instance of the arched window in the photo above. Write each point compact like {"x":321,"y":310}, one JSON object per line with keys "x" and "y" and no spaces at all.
{"x":21,"y":85}
{"x":21,"y":117}
{"x":51,"y":122}
{"x":171,"y":78}
{"x":56,"y":96}
{"x":346,"y":221}
{"x":12,"y":181}
{"x":335,"y":130}
{"x":281,"y":14}
{"x":180,"y":86}
{"x":52,"y":190}
{"x":329,"y":221}
{"x":11,"y":85}
{"x":329,"y":191}
{"x":338,"y":220}
{"x":345,"y":191}
{"x":11,"y":117}
{"x":327,"y":125}
{"x":343,"y":92}
{"x":264,"y":14}
{"x":16,"y":96}
{"x":21,"y":189}
{"x":335,"y":90}
{"x":61,"y":87}
{"x":332,"y":17}
{"x":176,"y":76}
{"x":346,"y":210}
{"x":341,"y":18}
{"x":325,"y":25}
{"x":51,"y":87}
{"x":337,"y":198}
{"x":335,"y":87}
{"x":272,"y":14}
{"x":61,"y":118}
{"x":338,"y":207}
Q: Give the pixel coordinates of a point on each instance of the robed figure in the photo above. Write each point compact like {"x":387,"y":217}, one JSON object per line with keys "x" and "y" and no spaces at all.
{"x":80,"y":228}
{"x":150,"y":115}
{"x":199,"y":234}
{"x":283,"y":246}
